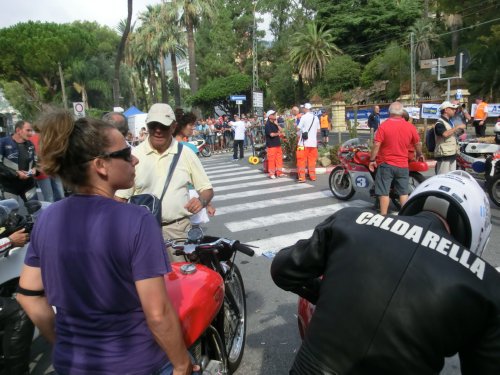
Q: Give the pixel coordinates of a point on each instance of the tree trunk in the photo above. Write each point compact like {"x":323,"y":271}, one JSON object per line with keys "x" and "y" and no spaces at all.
{"x":163,"y":80}
{"x":152,"y":82}
{"x":119,"y":56}
{"x":193,"y":79}
{"x":301,"y":89}
{"x":175,"y":79}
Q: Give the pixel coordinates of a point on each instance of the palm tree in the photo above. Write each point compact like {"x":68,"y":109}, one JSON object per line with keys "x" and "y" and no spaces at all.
{"x":423,"y":28}
{"x":312,"y":50}
{"x":86,"y":75}
{"x":119,"y":56}
{"x":454,"y":22}
{"x":174,"y":43}
{"x":191,"y":12}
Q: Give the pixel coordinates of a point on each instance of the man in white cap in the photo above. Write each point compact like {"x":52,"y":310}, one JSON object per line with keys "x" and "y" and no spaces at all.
{"x":307,"y":147}
{"x":446,"y":134}
{"x":155,"y":156}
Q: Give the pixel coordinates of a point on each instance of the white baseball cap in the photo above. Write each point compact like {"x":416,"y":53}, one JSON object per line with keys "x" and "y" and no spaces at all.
{"x":270,"y":112}
{"x":161,"y":113}
{"x":308,"y":106}
{"x":447,"y":104}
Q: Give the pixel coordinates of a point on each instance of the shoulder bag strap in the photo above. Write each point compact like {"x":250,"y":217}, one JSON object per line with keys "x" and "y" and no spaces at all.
{"x":171,"y":170}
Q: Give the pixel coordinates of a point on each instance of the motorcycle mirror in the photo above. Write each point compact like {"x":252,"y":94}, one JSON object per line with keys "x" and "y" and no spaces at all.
{"x":195,"y":234}
{"x":478,"y":166}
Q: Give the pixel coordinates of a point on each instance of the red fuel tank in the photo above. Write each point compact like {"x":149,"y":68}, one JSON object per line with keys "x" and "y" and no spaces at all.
{"x":197,"y":293}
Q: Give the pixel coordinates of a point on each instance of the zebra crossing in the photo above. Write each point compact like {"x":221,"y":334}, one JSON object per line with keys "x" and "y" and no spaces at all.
{"x":267,"y":213}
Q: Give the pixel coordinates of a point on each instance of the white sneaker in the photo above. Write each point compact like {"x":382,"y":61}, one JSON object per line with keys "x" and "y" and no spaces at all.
{"x":272,"y":177}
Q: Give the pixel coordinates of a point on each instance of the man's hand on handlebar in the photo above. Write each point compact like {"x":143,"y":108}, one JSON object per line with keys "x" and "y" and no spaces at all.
{"x":19,"y":238}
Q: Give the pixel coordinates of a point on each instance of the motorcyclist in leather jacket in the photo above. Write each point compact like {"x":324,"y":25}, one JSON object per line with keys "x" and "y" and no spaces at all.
{"x":399,"y":293}
{"x":16,"y":329}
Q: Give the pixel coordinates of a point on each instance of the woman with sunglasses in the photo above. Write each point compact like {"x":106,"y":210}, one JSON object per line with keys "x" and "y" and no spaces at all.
{"x":99,"y":262}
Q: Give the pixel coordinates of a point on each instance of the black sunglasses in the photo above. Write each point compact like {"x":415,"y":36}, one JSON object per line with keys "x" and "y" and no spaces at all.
{"x":156,"y":125}
{"x":125,"y":154}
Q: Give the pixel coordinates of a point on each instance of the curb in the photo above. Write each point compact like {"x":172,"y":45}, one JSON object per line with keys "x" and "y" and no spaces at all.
{"x":327,"y":170}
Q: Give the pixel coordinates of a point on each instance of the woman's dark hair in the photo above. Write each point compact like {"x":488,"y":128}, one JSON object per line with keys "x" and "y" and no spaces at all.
{"x":182,"y":119}
{"x":66,"y":145}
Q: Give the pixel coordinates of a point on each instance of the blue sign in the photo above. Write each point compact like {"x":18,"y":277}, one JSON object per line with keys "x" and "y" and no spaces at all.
{"x":363,"y":114}
{"x":238,"y":97}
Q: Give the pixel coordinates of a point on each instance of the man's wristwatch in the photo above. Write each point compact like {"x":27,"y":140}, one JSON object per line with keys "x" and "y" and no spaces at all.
{"x":203,"y":202}
{"x":373,"y":160}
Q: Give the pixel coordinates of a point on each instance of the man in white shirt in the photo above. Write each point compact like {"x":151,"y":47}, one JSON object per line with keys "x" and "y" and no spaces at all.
{"x":239,"y":136}
{"x":307,"y":147}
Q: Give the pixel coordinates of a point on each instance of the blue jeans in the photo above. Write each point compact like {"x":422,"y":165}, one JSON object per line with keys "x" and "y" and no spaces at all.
{"x":52,"y":189}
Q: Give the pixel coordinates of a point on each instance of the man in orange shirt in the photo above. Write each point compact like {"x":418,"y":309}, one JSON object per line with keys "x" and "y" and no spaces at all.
{"x":324,"y":122}
{"x":480,"y":117}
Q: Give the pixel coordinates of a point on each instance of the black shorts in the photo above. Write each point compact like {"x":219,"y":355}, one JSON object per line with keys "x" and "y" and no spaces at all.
{"x":324,"y":132}
{"x":386,"y":174}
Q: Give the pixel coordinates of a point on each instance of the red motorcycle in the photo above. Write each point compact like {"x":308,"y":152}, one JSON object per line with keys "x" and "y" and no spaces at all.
{"x":209,"y":296}
{"x":352,"y":174}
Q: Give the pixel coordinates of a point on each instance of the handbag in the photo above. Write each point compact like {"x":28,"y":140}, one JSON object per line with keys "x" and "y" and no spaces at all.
{"x":150,"y":201}
{"x":305,"y":135}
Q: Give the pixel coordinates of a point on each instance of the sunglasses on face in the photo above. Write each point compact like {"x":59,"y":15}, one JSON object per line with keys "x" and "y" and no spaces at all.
{"x":155,"y":125}
{"x":125,"y":154}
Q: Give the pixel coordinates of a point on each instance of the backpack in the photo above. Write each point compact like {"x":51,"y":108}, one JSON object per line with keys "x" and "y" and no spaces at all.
{"x":430,"y":140}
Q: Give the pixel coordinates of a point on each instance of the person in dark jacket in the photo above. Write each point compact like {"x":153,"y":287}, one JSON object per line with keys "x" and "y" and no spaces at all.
{"x":18,"y":162}
{"x":398,"y":294}
{"x":374,"y":119}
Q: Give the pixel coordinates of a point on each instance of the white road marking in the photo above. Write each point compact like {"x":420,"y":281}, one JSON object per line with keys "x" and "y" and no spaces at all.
{"x":263,"y":192}
{"x":224,"y":167}
{"x":229,"y":174}
{"x":274,"y":244}
{"x":263,"y":182}
{"x":288,"y":217}
{"x":273,"y":202}
{"x":215,"y":181}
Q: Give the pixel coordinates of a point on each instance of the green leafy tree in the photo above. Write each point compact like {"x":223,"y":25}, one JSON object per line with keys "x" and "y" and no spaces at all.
{"x":341,"y":74}
{"x":217,"y":92}
{"x":366,"y":27}
{"x":31,"y":52}
{"x":425,"y":36}
{"x":282,"y":87}
{"x":392,"y":65}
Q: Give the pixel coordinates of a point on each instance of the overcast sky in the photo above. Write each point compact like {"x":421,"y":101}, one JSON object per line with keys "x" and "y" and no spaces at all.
{"x":106,"y":12}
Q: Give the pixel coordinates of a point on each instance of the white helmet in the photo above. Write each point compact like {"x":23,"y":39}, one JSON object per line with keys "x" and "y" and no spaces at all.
{"x":459,"y":199}
{"x":496,"y":129}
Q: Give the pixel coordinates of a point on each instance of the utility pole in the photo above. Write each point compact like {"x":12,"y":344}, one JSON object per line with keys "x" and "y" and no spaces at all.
{"x":61,"y":77}
{"x":255,"y":66}
{"x":257,"y":96}
{"x":413,"y":74}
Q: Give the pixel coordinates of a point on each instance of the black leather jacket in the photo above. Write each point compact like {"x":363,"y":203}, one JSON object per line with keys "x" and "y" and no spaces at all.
{"x":398,"y":295}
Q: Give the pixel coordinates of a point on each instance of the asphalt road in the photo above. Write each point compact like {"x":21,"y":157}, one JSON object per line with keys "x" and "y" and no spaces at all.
{"x":257,"y":210}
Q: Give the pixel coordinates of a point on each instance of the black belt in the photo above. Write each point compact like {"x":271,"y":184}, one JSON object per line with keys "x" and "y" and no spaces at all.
{"x":165,"y":223}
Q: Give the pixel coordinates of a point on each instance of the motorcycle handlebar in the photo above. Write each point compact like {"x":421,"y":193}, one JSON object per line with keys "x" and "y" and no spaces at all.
{"x":243,"y":248}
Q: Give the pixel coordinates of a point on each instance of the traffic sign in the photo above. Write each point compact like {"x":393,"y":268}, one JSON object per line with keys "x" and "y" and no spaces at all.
{"x":238,"y":97}
{"x":443,"y":61}
{"x":258,"y":99}
{"x":239,"y":102}
{"x":79,"y":109}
